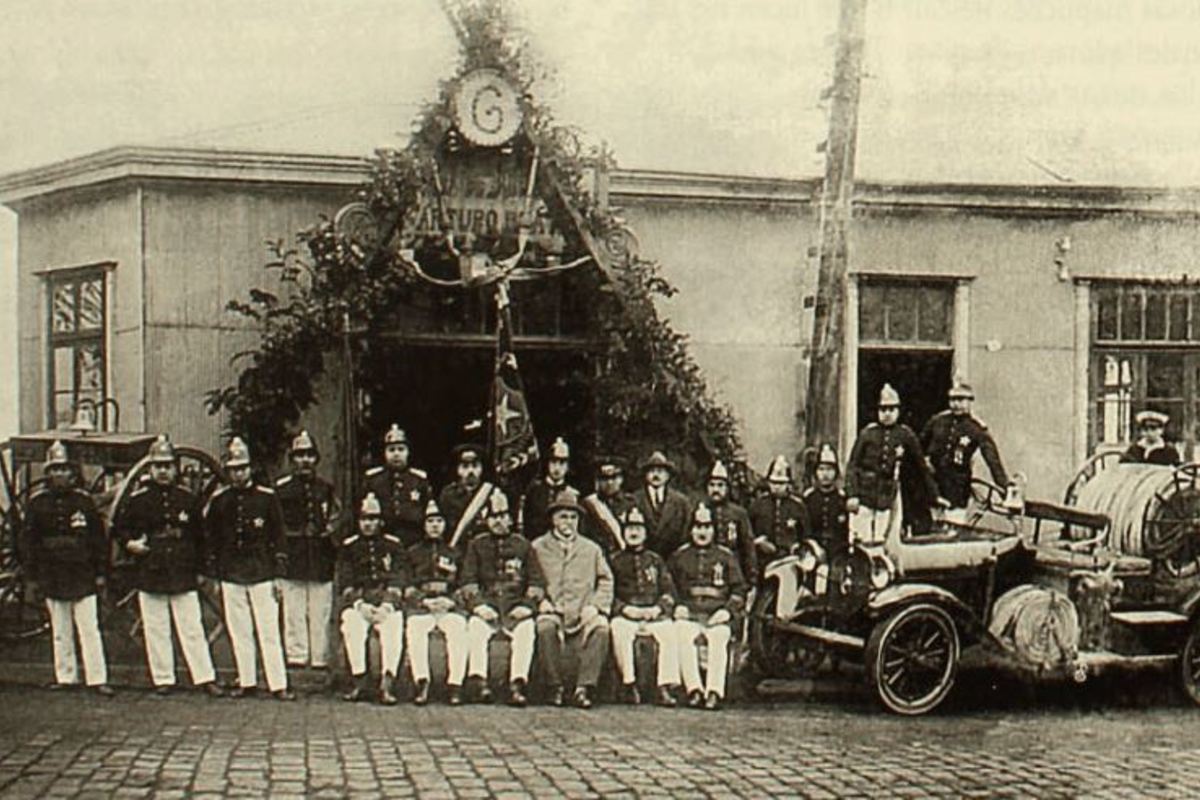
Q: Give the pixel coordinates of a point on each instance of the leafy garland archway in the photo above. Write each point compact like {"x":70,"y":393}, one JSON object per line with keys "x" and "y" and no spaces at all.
{"x":648,"y":391}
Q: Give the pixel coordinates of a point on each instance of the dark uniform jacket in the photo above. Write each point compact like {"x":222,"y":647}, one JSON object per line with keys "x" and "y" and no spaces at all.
{"x":502,"y":572}
{"x":375,"y":570}
{"x":311,"y":514}
{"x":403,"y":495}
{"x":454,"y":501}
{"x":535,"y":506}
{"x":169,"y":519}
{"x":434,"y":572}
{"x":827,"y":520}
{"x":596,"y":528}
{"x":244,"y":535}
{"x":707,"y":579}
{"x":666,"y":525}
{"x":1137,"y":454}
{"x":66,"y":550}
{"x":734,"y":532}
{"x":950,"y":440}
{"x":641,"y":578}
{"x":872,"y":468}
{"x":782,"y":521}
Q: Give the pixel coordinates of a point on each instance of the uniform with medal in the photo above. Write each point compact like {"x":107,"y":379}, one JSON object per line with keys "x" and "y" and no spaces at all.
{"x":432,"y":605}
{"x":402,"y":491}
{"x":605,"y":507}
{"x":464,"y":501}
{"x":311,"y":515}
{"x":375,"y":574}
{"x":731,"y":520}
{"x":950,"y":440}
{"x":535,"y":504}
{"x":66,"y":554}
{"x":160,"y":528}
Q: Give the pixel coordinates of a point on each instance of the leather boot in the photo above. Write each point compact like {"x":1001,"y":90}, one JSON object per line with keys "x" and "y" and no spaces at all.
{"x":421,"y":693}
{"x":454,"y":695}
{"x":516,"y":694}
{"x":361,"y":689}
{"x":666,"y":697}
{"x":386,"y":697}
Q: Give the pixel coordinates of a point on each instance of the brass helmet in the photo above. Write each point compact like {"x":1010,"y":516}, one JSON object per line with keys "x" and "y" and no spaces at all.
{"x":779,"y":470}
{"x":370,"y":507}
{"x":303,"y":443}
{"x":237,"y":454}
{"x":560,"y":450}
{"x":56,"y":454}
{"x":432,"y":510}
{"x":395,"y":435}
{"x":161,"y":451}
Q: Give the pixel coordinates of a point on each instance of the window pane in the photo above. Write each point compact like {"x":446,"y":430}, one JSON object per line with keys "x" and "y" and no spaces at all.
{"x":870,"y":313}
{"x":1195,"y":310}
{"x":64,"y":308}
{"x":1156,"y":315}
{"x":935,"y":308}
{"x":64,"y":370}
{"x":1179,"y":318}
{"x":91,"y":305}
{"x":1164,"y":376}
{"x":1106,"y":313}
{"x":91,"y":370}
{"x":1131,"y":316}
{"x":901,"y":314}
{"x":64,"y":405}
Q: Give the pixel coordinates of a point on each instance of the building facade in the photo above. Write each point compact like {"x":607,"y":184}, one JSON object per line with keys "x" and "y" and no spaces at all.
{"x":1069,"y":308}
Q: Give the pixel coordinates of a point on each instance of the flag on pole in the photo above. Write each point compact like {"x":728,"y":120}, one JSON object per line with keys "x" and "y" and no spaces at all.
{"x":513,"y":443}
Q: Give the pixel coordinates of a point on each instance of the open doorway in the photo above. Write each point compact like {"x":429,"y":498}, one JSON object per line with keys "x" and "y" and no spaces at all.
{"x":433,"y":390}
{"x":921,"y":377}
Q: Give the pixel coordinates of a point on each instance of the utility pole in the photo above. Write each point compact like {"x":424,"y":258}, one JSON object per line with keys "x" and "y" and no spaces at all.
{"x":824,"y":403}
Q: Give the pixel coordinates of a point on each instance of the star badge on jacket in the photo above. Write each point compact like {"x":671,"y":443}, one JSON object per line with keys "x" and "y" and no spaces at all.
{"x":183,"y":516}
{"x":259,"y":522}
{"x":415,"y":495}
{"x":78,"y":520}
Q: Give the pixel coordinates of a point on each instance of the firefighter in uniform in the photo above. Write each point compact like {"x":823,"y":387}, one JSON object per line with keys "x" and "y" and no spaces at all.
{"x":535,"y":507}
{"x":579,"y":593}
{"x":376,"y":574}
{"x":950,"y":440}
{"x":666,"y":510}
{"x":712,"y":594}
{"x":501,"y":584}
{"x":605,"y":507}
{"x":828,"y":522}
{"x":66,"y":554}
{"x":731,"y":520}
{"x":402,"y":490}
{"x":432,"y":605}
{"x":311,"y":516}
{"x":888,"y":481}
{"x":247,"y":553}
{"x":464,"y":502}
{"x":778,"y":518}
{"x":160,"y":528}
{"x":644,"y":602}
{"x":1151,"y":447}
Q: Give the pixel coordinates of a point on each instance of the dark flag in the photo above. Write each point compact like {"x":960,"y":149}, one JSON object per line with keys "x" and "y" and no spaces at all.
{"x":513,"y":443}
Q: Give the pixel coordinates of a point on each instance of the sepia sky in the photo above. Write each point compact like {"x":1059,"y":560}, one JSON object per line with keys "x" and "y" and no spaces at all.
{"x":1021,"y":91}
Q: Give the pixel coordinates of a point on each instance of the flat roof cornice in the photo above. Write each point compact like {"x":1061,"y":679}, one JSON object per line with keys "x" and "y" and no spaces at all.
{"x":250,"y":166}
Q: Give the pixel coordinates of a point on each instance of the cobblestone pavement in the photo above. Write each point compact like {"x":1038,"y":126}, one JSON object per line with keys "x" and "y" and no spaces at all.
{"x":137,"y":745}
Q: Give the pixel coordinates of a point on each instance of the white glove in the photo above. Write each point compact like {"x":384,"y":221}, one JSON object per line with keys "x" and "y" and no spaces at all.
{"x":485,"y":613}
{"x":719,"y":617}
{"x":681,"y":612}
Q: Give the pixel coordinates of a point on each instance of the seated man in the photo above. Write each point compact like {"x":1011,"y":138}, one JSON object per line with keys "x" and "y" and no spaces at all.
{"x":375,"y":576}
{"x":579,"y":594}
{"x":712,"y":592}
{"x":644,"y":602}
{"x":431,"y":605}
{"x":500,"y":583}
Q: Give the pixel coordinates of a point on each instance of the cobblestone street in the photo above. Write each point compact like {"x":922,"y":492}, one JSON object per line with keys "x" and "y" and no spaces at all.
{"x":137,"y":745}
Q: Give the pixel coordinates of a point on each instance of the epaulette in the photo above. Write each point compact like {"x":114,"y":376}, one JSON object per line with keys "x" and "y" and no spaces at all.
{"x":800,"y":497}
{"x":284,"y":481}
{"x":374,"y":471}
{"x":77,"y":490}
{"x":264,"y":489}
{"x":979,"y":422}
{"x":420,"y":473}
{"x":349,"y":540}
{"x":41,"y":490}
{"x":220,"y":491}
{"x":871,"y":426}
{"x":138,"y":491}
{"x":391,"y":538}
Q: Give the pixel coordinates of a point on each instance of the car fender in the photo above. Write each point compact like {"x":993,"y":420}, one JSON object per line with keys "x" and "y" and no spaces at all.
{"x":785,"y":572}
{"x":891,"y":598}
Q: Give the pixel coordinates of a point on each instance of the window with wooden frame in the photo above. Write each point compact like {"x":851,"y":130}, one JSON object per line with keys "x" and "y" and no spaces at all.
{"x":905,"y":314}
{"x":1145,"y":355}
{"x":76,"y":337}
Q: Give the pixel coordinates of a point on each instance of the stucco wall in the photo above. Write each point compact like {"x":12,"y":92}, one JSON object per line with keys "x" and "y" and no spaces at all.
{"x":69,"y":230}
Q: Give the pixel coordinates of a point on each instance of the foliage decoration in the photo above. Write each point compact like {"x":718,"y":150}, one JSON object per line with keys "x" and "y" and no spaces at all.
{"x":649,"y":392}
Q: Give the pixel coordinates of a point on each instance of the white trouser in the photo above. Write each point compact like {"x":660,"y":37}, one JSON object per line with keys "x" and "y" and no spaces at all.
{"x":454,"y":626}
{"x":157,"y":612}
{"x":521,"y":637}
{"x":66,"y":618}
{"x":875,"y":526}
{"x":307,"y":606}
{"x":251,"y":608}
{"x":717,"y":637}
{"x":357,"y":623}
{"x":625,"y":631}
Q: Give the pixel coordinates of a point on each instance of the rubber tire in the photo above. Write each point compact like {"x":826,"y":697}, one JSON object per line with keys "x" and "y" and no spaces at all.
{"x":877,"y":643}
{"x":1189,"y":672}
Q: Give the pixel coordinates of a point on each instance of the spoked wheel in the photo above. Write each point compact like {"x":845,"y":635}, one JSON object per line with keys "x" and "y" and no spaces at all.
{"x":912,"y":659}
{"x":1189,"y":663}
{"x":778,"y":653}
{"x":20,"y":616}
